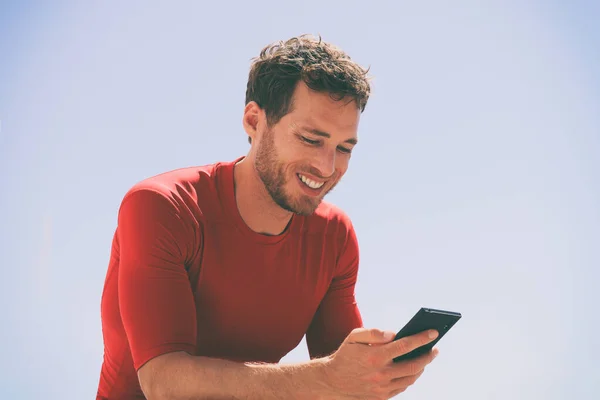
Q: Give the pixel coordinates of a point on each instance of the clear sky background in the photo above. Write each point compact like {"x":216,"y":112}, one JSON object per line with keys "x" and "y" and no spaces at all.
{"x":475,"y":187}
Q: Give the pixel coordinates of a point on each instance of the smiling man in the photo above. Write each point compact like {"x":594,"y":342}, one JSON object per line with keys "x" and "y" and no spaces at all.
{"x":217,"y":272}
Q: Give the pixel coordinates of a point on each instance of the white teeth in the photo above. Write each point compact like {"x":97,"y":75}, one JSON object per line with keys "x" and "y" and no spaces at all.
{"x":310,"y":183}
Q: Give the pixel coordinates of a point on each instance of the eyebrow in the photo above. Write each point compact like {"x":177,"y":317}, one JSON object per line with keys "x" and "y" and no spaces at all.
{"x":317,"y":132}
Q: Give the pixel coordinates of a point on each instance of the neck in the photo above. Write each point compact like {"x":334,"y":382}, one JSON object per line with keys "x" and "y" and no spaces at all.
{"x":255,"y":205}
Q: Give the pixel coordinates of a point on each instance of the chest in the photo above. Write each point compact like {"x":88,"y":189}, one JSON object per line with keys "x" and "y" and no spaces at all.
{"x":256,"y":301}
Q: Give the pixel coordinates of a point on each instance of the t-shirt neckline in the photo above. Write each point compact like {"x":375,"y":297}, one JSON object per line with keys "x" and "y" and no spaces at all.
{"x":226,"y":188}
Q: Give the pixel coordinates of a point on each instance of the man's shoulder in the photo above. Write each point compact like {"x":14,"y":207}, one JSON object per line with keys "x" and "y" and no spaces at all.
{"x":330,"y":219}
{"x":175,"y":181}
{"x":331,"y":226}
{"x":187,"y":187}
{"x":330,"y":212}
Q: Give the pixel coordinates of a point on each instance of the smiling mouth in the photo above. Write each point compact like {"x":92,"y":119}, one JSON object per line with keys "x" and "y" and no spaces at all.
{"x":310,"y":183}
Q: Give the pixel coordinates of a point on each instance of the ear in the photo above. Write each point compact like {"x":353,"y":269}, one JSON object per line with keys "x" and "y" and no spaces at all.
{"x":253,"y":119}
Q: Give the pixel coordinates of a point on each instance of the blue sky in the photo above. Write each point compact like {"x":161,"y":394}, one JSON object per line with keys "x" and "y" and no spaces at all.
{"x":475,"y":187}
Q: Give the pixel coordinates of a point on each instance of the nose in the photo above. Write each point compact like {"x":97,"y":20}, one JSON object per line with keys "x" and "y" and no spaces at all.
{"x":325,"y":163}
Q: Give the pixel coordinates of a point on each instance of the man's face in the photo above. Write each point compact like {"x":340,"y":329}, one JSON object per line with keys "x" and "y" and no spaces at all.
{"x":302,"y":157}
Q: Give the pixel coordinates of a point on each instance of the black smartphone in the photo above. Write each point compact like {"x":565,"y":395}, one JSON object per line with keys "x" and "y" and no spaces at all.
{"x":425,"y":319}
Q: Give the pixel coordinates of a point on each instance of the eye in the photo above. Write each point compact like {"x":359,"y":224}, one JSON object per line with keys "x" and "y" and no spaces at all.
{"x":306,"y":140}
{"x":344,"y":150}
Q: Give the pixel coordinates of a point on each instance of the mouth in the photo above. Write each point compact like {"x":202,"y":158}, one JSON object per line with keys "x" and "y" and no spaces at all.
{"x":310,"y":183}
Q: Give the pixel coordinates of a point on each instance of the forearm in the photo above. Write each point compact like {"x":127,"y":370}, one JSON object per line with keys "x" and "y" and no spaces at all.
{"x":187,"y":377}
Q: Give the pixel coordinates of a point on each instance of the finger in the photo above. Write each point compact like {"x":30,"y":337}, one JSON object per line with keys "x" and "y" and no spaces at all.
{"x":407,"y":344}
{"x":399,"y":385}
{"x":395,"y":393}
{"x":370,"y":336}
{"x":407,"y":380}
{"x":409,"y":368}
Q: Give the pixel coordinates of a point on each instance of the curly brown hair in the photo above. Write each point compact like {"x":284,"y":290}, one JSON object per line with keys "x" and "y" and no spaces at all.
{"x":324,"y":67}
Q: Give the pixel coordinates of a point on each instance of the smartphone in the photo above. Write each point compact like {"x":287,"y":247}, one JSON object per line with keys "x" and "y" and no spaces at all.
{"x":425,"y":319}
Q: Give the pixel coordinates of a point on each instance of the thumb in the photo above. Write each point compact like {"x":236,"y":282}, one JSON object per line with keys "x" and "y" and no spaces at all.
{"x":370,"y":336}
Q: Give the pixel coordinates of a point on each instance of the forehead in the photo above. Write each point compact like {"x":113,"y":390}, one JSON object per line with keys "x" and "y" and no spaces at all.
{"x":320,"y":111}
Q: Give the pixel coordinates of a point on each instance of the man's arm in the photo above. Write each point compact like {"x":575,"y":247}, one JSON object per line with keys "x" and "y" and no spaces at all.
{"x":157,"y":307}
{"x":338,"y":313}
{"x":181,"y":376}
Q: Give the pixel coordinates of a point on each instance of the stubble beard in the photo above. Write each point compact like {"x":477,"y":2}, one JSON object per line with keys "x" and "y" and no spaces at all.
{"x":272,"y":173}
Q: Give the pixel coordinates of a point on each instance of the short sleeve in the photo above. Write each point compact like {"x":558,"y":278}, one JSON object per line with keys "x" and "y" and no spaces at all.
{"x":155,"y":296}
{"x":338,"y":313}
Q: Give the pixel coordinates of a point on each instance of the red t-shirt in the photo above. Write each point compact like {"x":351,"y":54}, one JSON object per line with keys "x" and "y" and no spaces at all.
{"x":187,"y":274}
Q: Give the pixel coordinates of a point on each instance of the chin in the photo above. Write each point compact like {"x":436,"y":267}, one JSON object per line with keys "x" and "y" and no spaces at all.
{"x":307,"y":207}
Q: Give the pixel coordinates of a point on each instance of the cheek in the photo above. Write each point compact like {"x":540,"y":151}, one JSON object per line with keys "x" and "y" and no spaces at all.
{"x":341,"y":164}
{"x":290,"y":151}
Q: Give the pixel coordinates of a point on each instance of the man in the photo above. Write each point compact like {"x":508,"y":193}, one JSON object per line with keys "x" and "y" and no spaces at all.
{"x":217,"y":272}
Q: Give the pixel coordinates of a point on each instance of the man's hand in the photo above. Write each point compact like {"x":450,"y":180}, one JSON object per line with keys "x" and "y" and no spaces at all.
{"x":363,"y":366}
